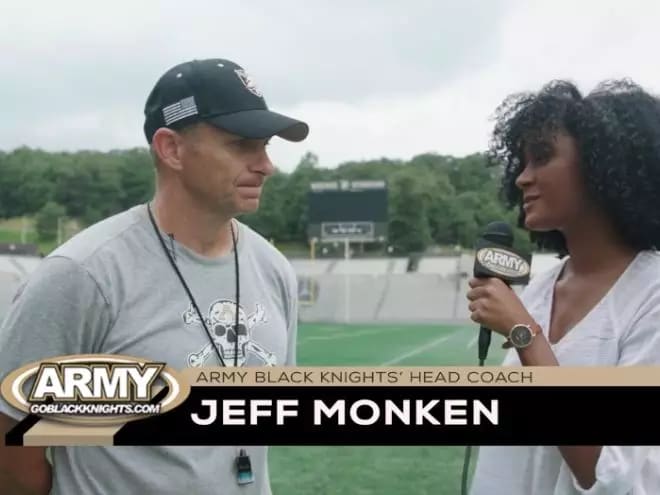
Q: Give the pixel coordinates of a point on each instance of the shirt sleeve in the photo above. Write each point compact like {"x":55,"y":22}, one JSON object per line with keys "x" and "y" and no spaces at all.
{"x":292,"y":324}
{"x":621,"y":470}
{"x":59,"y":311}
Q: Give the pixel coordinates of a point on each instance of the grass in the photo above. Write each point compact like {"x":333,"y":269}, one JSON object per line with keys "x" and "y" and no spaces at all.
{"x":366,"y":470}
{"x":326,"y":470}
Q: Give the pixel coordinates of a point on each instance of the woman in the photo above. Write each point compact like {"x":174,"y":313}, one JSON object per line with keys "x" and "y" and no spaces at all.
{"x":585,"y":175}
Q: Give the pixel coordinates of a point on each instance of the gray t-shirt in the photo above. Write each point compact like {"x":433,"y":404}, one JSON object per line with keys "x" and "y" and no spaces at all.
{"x":111,"y":289}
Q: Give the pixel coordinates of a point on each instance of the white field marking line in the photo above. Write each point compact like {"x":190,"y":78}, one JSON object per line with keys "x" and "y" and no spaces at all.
{"x":324,"y":329}
{"x":419,"y":349}
{"x":355,"y":333}
{"x":473,"y":341}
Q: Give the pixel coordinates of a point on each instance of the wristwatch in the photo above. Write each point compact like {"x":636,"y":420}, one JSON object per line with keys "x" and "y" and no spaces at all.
{"x":521,"y":336}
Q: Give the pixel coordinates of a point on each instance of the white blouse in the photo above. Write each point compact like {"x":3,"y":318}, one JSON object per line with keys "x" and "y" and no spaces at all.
{"x":623,"y":329}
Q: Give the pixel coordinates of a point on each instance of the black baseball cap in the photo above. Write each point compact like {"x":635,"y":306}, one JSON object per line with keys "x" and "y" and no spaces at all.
{"x":218,"y":92}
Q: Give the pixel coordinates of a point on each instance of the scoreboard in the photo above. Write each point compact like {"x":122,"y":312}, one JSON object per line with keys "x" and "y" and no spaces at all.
{"x":348,"y":210}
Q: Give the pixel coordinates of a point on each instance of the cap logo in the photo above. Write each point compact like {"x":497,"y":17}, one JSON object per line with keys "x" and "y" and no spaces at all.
{"x":248,"y":82}
{"x":180,"y":110}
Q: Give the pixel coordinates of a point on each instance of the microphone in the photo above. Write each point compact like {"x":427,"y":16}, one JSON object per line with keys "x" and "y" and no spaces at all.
{"x":495,"y":257}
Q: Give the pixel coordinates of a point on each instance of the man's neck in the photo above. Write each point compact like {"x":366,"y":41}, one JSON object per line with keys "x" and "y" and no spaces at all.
{"x":206,"y":233}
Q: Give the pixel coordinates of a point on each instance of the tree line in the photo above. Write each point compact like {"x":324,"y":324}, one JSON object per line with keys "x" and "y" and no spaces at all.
{"x":434,"y":200}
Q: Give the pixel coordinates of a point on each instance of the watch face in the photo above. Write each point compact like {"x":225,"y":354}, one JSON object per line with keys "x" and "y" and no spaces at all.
{"x":521,"y":336}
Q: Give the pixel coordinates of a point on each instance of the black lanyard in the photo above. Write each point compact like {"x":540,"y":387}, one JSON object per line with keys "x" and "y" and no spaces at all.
{"x":192,"y":299}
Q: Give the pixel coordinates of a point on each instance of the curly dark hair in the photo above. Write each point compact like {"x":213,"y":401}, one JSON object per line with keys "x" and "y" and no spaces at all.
{"x":617,"y":131}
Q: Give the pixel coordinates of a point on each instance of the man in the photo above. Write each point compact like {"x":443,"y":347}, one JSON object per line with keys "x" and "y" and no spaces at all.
{"x":161,"y":281}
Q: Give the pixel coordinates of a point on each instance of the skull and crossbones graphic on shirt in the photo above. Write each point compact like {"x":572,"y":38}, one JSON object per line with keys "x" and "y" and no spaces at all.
{"x":233,"y":343}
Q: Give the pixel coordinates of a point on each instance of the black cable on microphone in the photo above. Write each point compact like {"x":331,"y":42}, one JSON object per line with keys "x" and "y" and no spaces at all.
{"x":484,"y":344}
{"x":499,"y":234}
{"x":496,"y":258}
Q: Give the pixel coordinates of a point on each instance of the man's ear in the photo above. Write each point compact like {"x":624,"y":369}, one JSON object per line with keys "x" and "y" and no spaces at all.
{"x":167,"y":146}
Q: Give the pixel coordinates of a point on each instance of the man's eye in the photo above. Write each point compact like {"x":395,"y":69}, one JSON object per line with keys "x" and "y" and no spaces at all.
{"x":251,"y":144}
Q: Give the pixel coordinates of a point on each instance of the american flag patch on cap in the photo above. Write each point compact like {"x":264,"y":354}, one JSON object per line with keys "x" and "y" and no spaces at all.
{"x":180,"y":110}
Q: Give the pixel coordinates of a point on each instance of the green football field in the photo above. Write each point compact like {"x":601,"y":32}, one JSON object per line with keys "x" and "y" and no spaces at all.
{"x":378,"y":470}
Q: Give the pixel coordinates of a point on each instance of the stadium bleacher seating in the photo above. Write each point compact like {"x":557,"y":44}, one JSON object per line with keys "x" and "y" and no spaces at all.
{"x":381,"y":289}
{"x":438,"y":265}
{"x":354,"y":290}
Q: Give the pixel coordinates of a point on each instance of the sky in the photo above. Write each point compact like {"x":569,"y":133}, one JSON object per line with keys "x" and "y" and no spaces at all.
{"x":379,"y":78}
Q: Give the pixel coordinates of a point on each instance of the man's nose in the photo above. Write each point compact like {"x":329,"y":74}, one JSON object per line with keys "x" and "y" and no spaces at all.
{"x":263,"y":165}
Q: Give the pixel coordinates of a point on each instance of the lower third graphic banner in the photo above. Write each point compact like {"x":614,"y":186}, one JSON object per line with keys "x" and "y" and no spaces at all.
{"x":333,"y":406}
